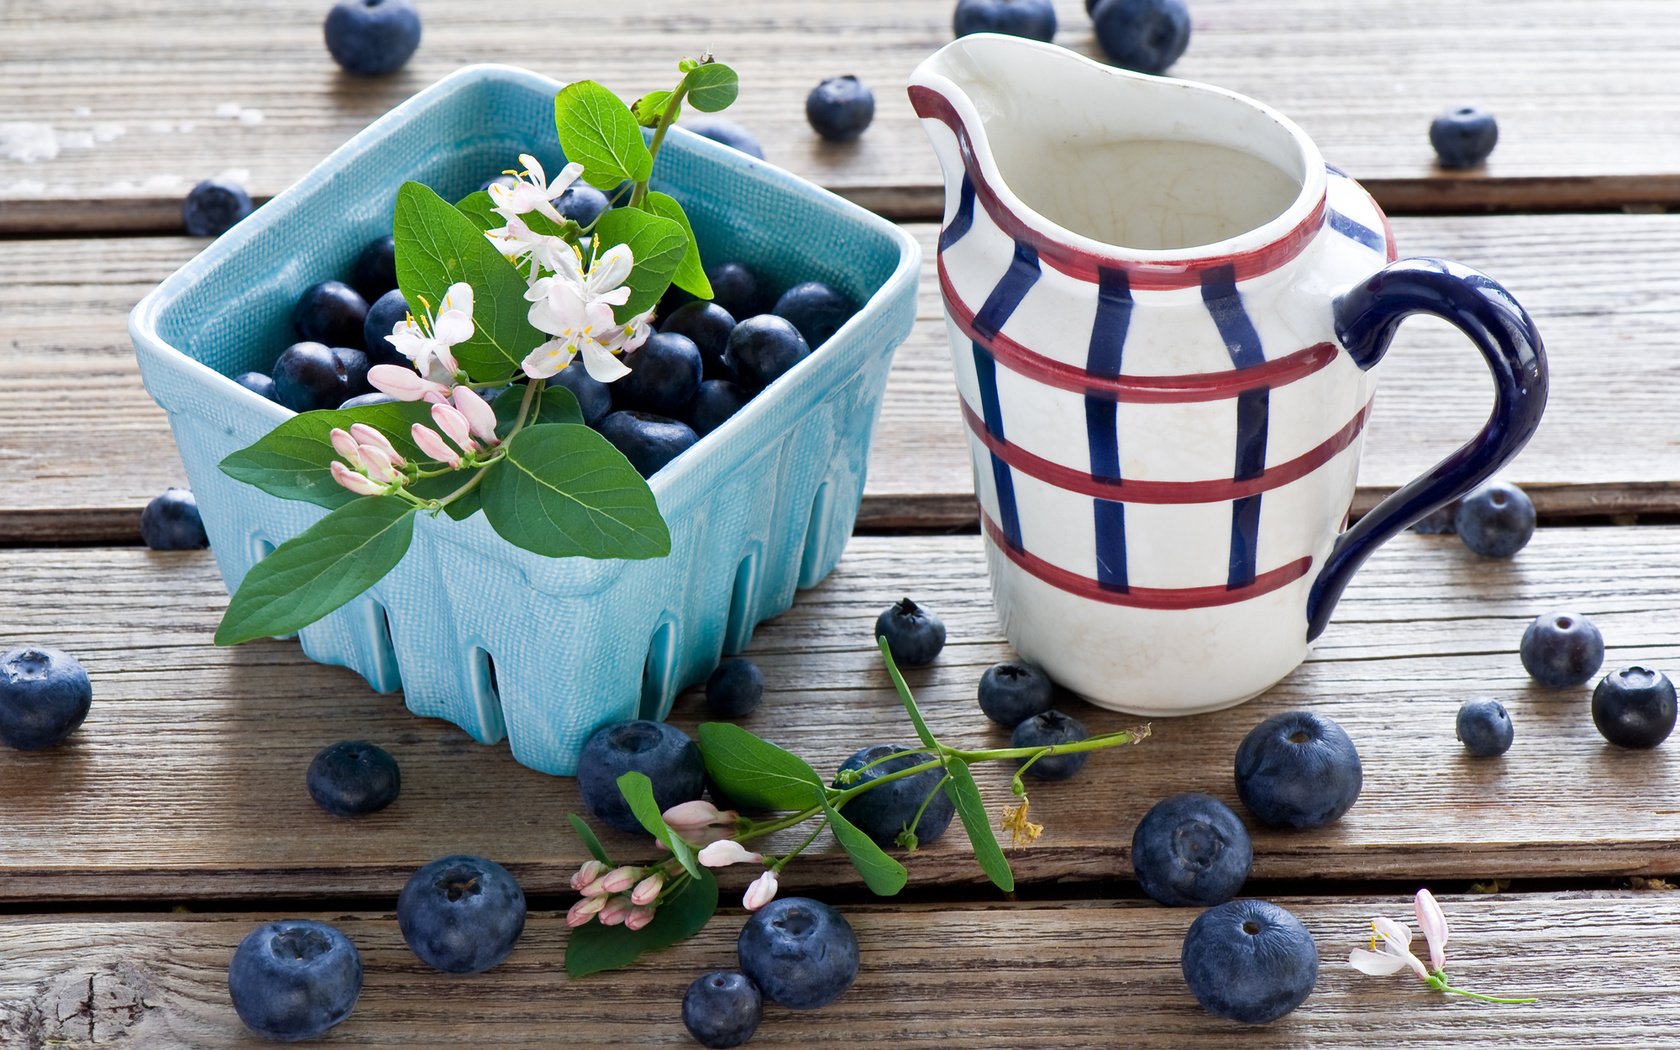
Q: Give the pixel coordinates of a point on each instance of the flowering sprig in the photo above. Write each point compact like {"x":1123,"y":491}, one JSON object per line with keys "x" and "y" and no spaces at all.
{"x":1390,"y":950}
{"x":758,"y":774}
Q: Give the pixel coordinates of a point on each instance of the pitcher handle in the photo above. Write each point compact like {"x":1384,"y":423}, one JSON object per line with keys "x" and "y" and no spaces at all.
{"x":1366,"y":319}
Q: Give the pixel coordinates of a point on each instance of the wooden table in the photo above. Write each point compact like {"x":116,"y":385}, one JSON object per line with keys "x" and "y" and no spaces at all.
{"x":133,"y":859}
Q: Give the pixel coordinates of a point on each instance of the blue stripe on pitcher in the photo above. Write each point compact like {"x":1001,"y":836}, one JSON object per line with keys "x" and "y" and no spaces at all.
{"x":1224,"y":302}
{"x":1011,"y":288}
{"x":963,"y":219}
{"x":1102,"y":422}
{"x":1357,"y":231}
{"x":985,"y":372}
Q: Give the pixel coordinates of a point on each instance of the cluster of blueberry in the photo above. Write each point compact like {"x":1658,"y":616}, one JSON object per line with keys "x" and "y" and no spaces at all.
{"x":1145,"y":35}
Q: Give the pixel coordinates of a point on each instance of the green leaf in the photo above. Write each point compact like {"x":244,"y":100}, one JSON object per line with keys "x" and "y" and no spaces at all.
{"x":690,"y":275}
{"x":593,"y":948}
{"x":637,"y":790}
{"x":651,"y":107}
{"x":437,"y":246}
{"x":478,"y":207}
{"x":904,"y":695}
{"x":598,"y":131}
{"x":555,"y":405}
{"x":656,"y":243}
{"x":292,"y":460}
{"x":587,"y":835}
{"x":562,"y":490}
{"x":755,"y":773}
{"x":883,"y":875}
{"x":712,"y":87}
{"x":965,"y":794}
{"x":319,"y":570}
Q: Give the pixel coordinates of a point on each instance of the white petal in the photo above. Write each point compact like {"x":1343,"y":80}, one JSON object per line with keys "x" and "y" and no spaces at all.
{"x":452,"y":327}
{"x":1433,"y":922}
{"x":1393,"y":932}
{"x":534,"y":169}
{"x":602,"y":366}
{"x":548,"y":359}
{"x":563,"y":181}
{"x":458,"y":297}
{"x":612,"y":268}
{"x":1377,"y":964}
{"x":617,"y":297}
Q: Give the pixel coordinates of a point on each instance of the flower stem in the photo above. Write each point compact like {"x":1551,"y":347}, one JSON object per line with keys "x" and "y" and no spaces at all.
{"x":777,"y":867}
{"x":1440,"y":982}
{"x":478,"y":475}
{"x":666,"y":119}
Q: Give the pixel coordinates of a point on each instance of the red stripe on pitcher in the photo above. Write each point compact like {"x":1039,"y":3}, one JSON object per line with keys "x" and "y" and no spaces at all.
{"x":1131,"y":490}
{"x":1167,"y":598}
{"x":1141,"y":390}
{"x":1083,"y":264}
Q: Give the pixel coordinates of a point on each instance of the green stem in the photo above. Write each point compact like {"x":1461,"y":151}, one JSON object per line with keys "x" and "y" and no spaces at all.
{"x":916,"y":821}
{"x":478,"y":475}
{"x":777,"y":867}
{"x":666,"y":119}
{"x":1095,"y":743}
{"x":861,"y":770}
{"x":1439,"y":981}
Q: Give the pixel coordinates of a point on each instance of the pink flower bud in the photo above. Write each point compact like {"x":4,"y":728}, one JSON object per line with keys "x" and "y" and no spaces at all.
{"x":647,"y":891}
{"x":433,"y":445}
{"x":404,"y":384}
{"x":1433,"y":922}
{"x":619,"y":880}
{"x":450,"y":420}
{"x":692,"y":816}
{"x":378,"y":465}
{"x":366,"y":435}
{"x":346,"y":447}
{"x":584,"y":910}
{"x":598,"y":888}
{"x":353,"y":481}
{"x":615,"y":911}
{"x":591,"y":870}
{"x":481,"y":418}
{"x":638,"y":918}
{"x":761,"y":892}
{"x":726,"y":852}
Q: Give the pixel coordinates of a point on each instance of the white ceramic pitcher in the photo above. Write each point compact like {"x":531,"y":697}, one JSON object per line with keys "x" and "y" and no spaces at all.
{"x":1165,"y":314}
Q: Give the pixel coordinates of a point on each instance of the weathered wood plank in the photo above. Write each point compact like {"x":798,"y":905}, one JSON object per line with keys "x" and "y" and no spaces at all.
{"x":1080,"y":975}
{"x":160,"y":91}
{"x":82,"y":473}
{"x":187,"y":780}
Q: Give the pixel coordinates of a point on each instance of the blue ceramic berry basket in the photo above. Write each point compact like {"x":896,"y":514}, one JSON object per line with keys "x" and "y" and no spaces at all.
{"x":499,"y":641}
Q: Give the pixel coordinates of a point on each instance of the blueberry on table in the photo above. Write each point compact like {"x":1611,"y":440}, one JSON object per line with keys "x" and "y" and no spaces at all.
{"x":722,"y":1009}
{"x":1051,"y":727}
{"x":1298,"y":770}
{"x":1191,"y":849}
{"x":1145,"y":35}
{"x":213,"y":206}
{"x":717,"y":400}
{"x":1438,"y":522}
{"x":581,"y":203}
{"x":371,"y":38}
{"x":1485,"y":728}
{"x":815,"y":309}
{"x":375,"y":272}
{"x":595,"y":398}
{"x":663,"y":753}
{"x":736,"y":289}
{"x":648,"y":441}
{"x":1249,"y":961}
{"x":914,"y":635}
{"x":44,"y":695}
{"x":664,"y":375}
{"x":258,"y":383}
{"x":1634,"y":707}
{"x":734,"y":689}
{"x":1463,"y":137}
{"x":728,"y":132}
{"x":294,"y":979}
{"x":353,"y":778}
{"x":840,"y":108}
{"x":330,"y":312}
{"x":885,"y":812}
{"x":310,"y":375}
{"x":1033,"y":19}
{"x":762,"y":349}
{"x":1495,"y":521}
{"x":1561,"y":649}
{"x":801,"y":953}
{"x":171,"y":522}
{"x":383,"y":316}
{"x":461,"y":914}
{"x":708,"y":325}
{"x":1014,"y":691}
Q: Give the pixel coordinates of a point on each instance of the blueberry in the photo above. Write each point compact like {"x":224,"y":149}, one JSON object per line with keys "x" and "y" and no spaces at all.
{"x":294,"y":979}
{"x":353,"y":778}
{"x":355,"y":364}
{"x":648,"y":441}
{"x":383,"y":316}
{"x":1014,"y":691}
{"x":1145,"y":35}
{"x":1634,"y":707}
{"x":595,"y":398}
{"x":375,"y":398}
{"x":717,"y":400}
{"x":884,"y":813}
{"x":170,"y":522}
{"x":664,"y":753}
{"x":1495,"y":521}
{"x":258,"y":383}
{"x":708,"y":325}
{"x":371,"y":38}
{"x":840,"y":108}
{"x":308,"y":376}
{"x":1034,"y":19}
{"x":1249,"y":961}
{"x":375,"y":272}
{"x":664,"y":375}
{"x":1191,"y":849}
{"x":722,"y":1008}
{"x":736,"y":289}
{"x":44,"y":696}
{"x":1463,"y":137}
{"x":815,"y":309}
{"x":1439,"y":521}
{"x":731,"y":134}
{"x":1485,"y":728}
{"x":1562,"y":649}
{"x":734,"y":689}
{"x":330,"y":312}
{"x":763,"y":348}
{"x":801,"y":953}
{"x":461,"y":914}
{"x":1298,"y":770}
{"x":581,"y":203}
{"x":914,"y":635}
{"x":1051,"y":727}
{"x":213,"y":206}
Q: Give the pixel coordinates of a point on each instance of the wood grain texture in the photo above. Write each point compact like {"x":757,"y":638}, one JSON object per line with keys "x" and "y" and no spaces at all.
{"x":186,"y":782}
{"x":1597,"y":285}
{"x":1071,"y":976}
{"x":1587,"y":104}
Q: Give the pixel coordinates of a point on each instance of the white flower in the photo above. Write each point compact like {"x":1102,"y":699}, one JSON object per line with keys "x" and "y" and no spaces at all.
{"x":518,"y":241}
{"x":578,"y":327}
{"x":1390,"y":951}
{"x":532,"y":191}
{"x":430,"y":342}
{"x":604,"y":279}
